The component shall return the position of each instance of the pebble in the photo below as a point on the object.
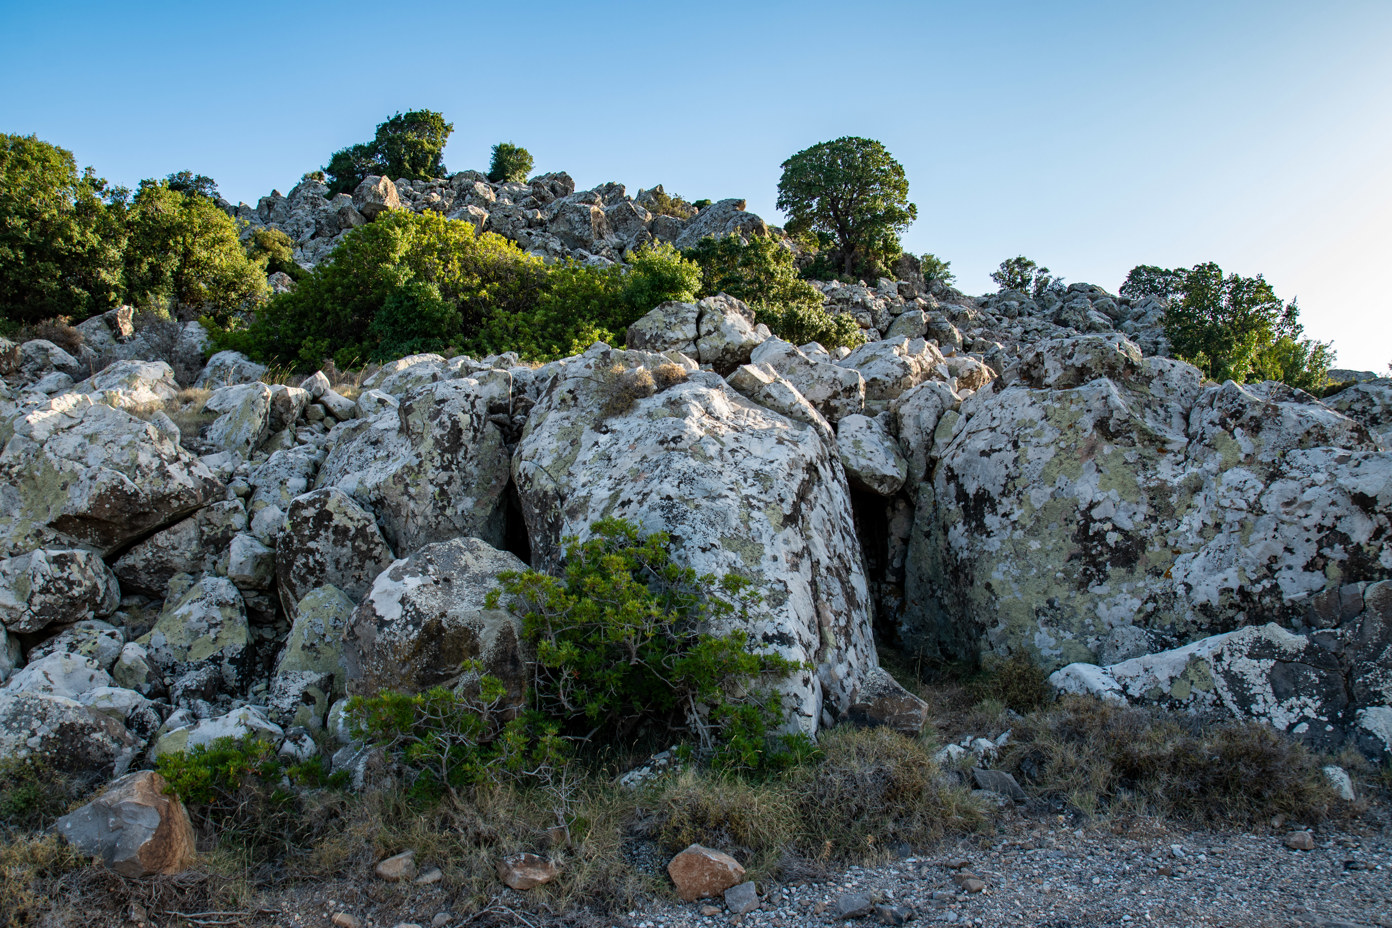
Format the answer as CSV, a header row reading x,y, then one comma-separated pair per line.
x,y
1300,841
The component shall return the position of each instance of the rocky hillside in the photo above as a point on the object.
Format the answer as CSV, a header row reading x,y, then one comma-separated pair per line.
x,y
191,550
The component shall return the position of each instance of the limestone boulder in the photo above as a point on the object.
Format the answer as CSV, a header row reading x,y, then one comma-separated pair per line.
x,y
426,615
740,488
328,539
315,642
1103,490
761,384
718,331
191,546
582,226
63,732
135,828
893,366
242,722
89,638
39,357
55,586
203,626
834,390
94,476
243,417
227,368
374,196
432,469
726,217
131,385
1370,404
65,675
871,456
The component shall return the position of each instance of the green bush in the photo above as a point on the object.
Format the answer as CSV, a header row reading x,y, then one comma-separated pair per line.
x,y
1233,327
449,740
408,145
761,272
660,203
432,281
621,643
1022,274
187,182
581,304
181,249
275,250
934,268
510,164
61,235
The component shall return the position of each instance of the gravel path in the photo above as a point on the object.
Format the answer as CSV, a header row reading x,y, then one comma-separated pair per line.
x,y
1044,873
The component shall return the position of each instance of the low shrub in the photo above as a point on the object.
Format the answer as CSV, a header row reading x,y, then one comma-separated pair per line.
x,y
1016,682
622,643
802,323
277,251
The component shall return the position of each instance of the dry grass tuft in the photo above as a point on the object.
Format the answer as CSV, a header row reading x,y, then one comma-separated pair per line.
x,y
56,330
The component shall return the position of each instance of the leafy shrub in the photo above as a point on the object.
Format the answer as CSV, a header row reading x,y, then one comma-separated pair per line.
x,y
1233,327
621,643
581,304
934,268
61,235
431,280
182,249
660,203
1022,274
32,794
407,145
800,323
275,250
700,204
448,740
189,183
510,164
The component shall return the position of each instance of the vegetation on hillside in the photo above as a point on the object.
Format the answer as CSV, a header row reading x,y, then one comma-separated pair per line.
x,y
510,164
407,145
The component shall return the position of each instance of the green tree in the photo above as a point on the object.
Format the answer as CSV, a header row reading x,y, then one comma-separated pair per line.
x,y
511,163
934,268
189,182
182,249
432,280
1233,327
60,235
274,249
1022,274
852,191
408,145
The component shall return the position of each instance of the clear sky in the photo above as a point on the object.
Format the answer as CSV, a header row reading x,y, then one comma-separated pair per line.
x,y
1089,136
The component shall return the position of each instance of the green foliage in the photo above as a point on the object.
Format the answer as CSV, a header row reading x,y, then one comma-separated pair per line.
x,y
432,280
182,249
408,145
275,250
581,304
450,740
1022,274
510,164
213,774
32,794
60,235
934,268
187,182
622,643
1233,327
852,190
700,204
660,203
761,272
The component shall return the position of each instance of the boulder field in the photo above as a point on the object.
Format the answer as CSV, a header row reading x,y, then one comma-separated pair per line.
x,y
188,551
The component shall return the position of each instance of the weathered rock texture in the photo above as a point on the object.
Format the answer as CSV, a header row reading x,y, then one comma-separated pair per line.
x,y
134,827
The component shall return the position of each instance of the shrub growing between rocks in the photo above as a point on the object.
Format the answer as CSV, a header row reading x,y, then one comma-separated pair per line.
x,y
510,164
407,145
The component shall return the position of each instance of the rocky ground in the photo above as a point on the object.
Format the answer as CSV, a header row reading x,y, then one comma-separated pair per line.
x,y
1046,871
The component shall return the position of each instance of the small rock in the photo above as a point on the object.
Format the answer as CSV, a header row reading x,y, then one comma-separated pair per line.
x,y
699,872
893,914
854,905
998,782
1300,841
525,871
344,920
710,911
441,919
1337,777
742,898
397,868
1165,870
433,875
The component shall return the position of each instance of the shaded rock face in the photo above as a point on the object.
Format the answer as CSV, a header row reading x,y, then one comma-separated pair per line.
x,y
49,586
134,827
67,734
1321,685
85,473
740,489
1066,505
425,616
432,469
328,539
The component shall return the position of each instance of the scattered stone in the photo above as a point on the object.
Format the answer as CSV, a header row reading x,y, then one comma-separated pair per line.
x,y
1300,841
135,827
854,905
700,872
742,898
526,871
397,868
893,914
344,920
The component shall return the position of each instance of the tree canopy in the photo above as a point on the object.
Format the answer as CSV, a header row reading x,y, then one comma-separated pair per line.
x,y
1233,327
408,145
511,163
60,237
1026,276
852,194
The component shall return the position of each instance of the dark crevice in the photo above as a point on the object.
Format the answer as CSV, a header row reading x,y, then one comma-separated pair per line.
x,y
872,517
515,538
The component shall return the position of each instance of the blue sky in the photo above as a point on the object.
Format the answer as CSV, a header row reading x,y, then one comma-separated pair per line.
x,y
1089,136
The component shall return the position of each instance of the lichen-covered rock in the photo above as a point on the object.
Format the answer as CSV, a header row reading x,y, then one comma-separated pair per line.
x,y
879,700
284,475
763,385
834,390
136,828
726,217
242,722
301,698
740,488
59,675
100,641
65,733
55,586
39,357
203,625
315,642
374,196
434,468
9,654
1369,403
870,456
327,538
131,385
85,473
227,368
1056,514
191,546
425,615
248,563
924,418
892,366
719,331
244,417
